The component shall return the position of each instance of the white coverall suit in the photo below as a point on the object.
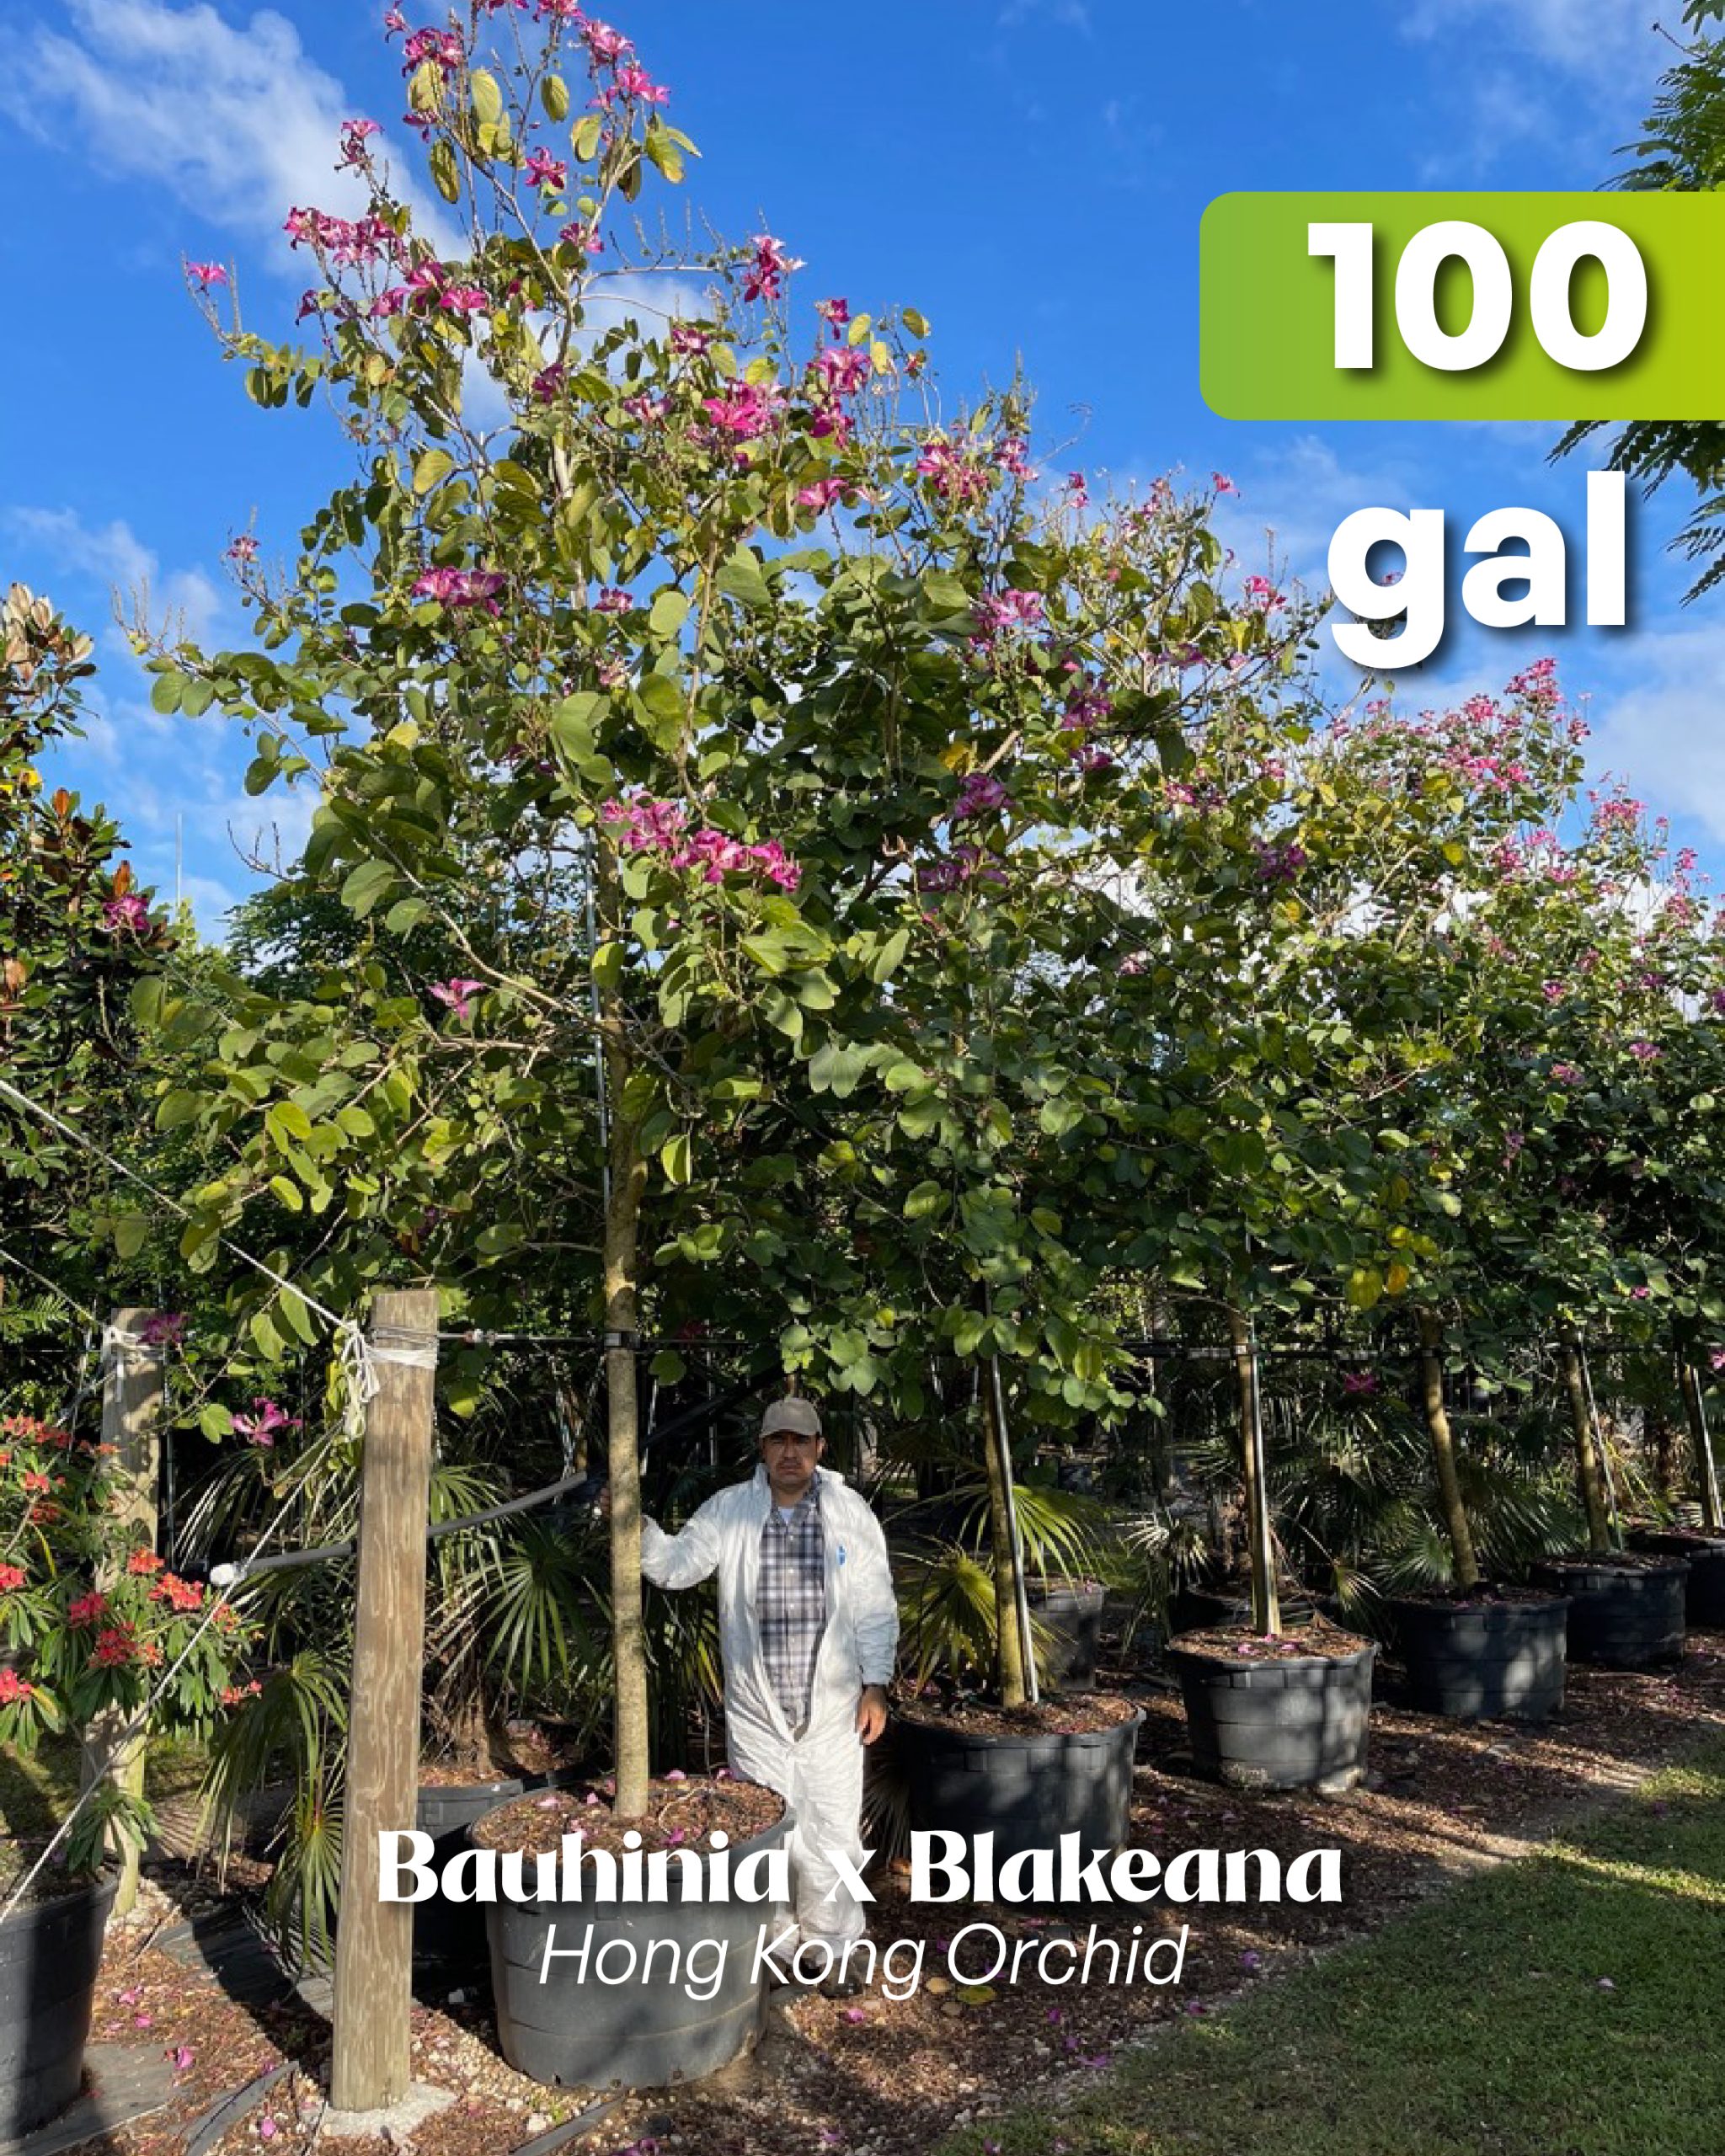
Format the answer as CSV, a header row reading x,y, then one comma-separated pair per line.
x,y
819,1774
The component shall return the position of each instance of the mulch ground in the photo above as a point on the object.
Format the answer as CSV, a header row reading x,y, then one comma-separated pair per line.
x,y
876,2078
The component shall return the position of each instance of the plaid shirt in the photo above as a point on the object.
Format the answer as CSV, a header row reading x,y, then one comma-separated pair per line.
x,y
793,1602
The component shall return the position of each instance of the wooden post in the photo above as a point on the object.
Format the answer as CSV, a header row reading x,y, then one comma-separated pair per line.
x,y
371,2062
132,1422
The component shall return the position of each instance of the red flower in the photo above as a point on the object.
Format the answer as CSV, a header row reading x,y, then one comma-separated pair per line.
x,y
180,1594
142,1562
88,1609
12,1687
115,1648
11,1575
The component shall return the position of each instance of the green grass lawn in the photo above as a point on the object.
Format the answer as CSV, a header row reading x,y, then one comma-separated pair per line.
x,y
1475,2024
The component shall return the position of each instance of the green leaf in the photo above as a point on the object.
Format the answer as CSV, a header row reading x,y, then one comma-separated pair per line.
x,y
488,96
365,886
131,1231
669,1367
166,695
554,96
433,464
214,1420
890,956
740,579
584,137
926,1199
667,614
179,1108
446,173
287,1193
663,153
406,914
674,1157
944,593
287,1123
294,1309
269,1344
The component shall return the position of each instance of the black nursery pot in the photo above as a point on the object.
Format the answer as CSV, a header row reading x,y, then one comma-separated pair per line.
x,y
1621,1616
1026,1790
1203,1608
1703,1602
49,1954
1071,1613
578,2032
1276,1721
1485,1659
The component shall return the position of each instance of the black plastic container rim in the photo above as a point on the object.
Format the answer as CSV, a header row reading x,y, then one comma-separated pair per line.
x,y
780,1828
34,1914
1535,1603
1615,1565
1214,1658
1052,1738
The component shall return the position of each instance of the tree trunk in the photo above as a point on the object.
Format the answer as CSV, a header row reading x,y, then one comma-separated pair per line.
x,y
1706,1475
1586,1452
1266,1607
623,1235
1437,1423
1009,1641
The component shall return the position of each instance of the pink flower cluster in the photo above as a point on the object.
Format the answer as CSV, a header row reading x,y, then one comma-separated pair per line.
x,y
130,915
355,134
953,470
770,267
748,411
968,864
442,48
1263,596
1005,611
346,240
1279,863
981,795
458,996
456,588
645,825
260,1426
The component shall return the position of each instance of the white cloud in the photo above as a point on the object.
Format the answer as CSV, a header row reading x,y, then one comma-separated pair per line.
x,y
1665,728
1596,38
113,556
239,124
1299,493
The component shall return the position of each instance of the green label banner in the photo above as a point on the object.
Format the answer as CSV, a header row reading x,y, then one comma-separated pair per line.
x,y
1464,306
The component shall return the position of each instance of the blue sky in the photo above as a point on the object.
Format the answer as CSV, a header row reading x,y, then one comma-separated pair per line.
x,y
1030,174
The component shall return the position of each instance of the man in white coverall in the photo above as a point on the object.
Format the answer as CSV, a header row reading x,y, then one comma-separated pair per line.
x,y
808,1628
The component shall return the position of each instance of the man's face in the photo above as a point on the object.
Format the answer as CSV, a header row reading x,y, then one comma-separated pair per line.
x,y
791,1461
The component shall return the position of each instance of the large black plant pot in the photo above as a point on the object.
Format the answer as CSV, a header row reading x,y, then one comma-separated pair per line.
x,y
49,1954
1276,1721
636,2035
1070,1613
1621,1616
1203,1608
1705,1598
1026,1791
449,1937
1484,1659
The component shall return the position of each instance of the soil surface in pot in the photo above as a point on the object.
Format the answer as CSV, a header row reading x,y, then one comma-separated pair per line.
x,y
1317,1638
1076,1716
50,1884
680,1814
1691,1538
1613,1560
1484,1596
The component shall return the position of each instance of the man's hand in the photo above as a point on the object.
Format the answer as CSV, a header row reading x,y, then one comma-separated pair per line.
x,y
871,1712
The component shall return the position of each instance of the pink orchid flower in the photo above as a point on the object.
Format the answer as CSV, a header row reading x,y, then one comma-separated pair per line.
x,y
457,994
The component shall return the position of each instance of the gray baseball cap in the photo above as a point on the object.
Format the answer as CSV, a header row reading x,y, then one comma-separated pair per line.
x,y
801,1415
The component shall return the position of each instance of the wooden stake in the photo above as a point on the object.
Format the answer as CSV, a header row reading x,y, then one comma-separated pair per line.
x,y
1437,1423
132,1422
370,2059
1266,1602
1706,1474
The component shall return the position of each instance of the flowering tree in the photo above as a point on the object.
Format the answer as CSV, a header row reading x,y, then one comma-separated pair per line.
x,y
78,932
93,1624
